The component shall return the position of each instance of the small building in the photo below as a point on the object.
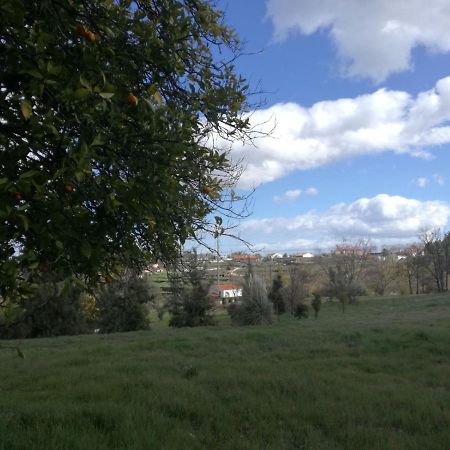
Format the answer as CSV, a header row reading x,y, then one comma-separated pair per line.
x,y
275,255
358,251
243,257
225,293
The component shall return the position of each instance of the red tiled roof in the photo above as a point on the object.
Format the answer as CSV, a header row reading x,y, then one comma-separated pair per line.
x,y
226,286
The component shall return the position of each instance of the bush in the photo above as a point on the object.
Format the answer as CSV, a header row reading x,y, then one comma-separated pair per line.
x,y
316,304
276,295
53,309
301,311
255,308
190,305
123,304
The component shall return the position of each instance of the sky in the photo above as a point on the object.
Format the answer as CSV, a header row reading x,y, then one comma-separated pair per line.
x,y
357,99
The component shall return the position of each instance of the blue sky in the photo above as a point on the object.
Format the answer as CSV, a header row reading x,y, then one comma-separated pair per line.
x,y
360,100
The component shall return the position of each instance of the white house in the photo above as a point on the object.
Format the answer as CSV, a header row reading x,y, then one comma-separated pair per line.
x,y
225,293
275,255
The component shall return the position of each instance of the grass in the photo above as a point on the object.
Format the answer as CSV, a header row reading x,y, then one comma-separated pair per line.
x,y
377,377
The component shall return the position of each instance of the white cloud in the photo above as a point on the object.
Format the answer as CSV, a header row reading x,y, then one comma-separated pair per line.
x,y
421,182
330,131
288,196
383,219
373,38
312,191
439,179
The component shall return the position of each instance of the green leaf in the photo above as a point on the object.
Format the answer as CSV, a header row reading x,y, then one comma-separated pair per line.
x,y
97,141
85,83
25,221
29,174
106,95
81,93
86,249
26,109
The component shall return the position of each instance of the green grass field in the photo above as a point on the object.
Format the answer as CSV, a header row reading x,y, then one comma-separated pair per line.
x,y
377,377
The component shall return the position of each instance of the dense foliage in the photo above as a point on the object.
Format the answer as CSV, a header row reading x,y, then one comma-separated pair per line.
x,y
105,111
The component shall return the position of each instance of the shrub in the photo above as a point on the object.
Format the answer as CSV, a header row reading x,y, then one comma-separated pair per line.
x,y
189,304
276,295
123,304
316,304
53,309
255,308
301,311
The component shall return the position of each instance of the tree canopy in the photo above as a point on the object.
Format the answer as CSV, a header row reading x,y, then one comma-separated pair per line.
x,y
105,110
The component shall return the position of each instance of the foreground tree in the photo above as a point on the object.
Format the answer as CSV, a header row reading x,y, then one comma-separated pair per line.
x,y
107,113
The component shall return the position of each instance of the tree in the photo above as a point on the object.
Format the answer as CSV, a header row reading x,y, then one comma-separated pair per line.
x,y
414,265
437,254
123,305
189,303
109,112
344,270
54,309
383,272
316,303
276,295
255,308
296,291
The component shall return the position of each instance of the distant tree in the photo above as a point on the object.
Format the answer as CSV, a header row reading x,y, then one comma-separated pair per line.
x,y
437,254
301,311
316,303
255,308
344,270
296,290
123,304
414,265
189,304
383,272
276,295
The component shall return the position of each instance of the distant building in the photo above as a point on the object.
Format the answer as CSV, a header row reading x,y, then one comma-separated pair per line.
x,y
153,268
349,251
243,257
275,255
225,293
303,255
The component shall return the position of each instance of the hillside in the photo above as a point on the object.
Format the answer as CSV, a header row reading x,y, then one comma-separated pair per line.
x,y
376,377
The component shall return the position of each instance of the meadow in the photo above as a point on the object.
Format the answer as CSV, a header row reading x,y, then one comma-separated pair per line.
x,y
376,377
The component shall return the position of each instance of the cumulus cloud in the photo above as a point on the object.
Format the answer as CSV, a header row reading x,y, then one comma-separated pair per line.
x,y
373,38
439,179
383,218
330,131
288,196
294,194
421,182
312,191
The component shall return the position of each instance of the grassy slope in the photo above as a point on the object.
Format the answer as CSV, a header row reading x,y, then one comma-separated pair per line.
x,y
377,377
